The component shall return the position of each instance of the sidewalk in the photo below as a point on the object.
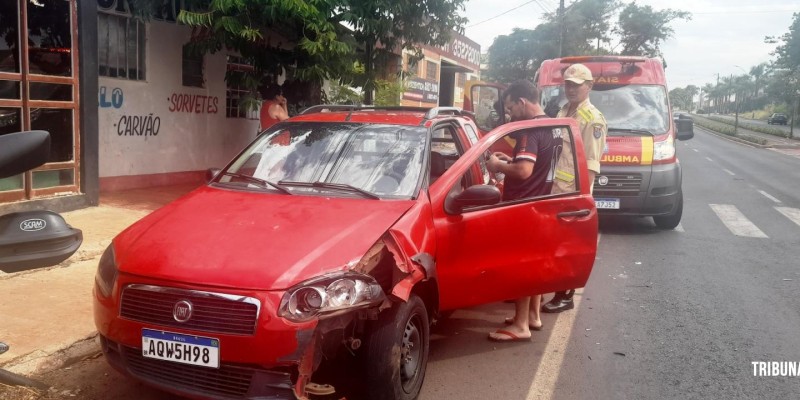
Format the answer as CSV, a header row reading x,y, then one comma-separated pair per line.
x,y
46,315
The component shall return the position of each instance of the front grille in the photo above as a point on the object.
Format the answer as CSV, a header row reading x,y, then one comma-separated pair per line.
x,y
619,185
215,313
227,380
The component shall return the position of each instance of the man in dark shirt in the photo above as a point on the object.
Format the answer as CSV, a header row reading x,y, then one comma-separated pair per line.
x,y
528,173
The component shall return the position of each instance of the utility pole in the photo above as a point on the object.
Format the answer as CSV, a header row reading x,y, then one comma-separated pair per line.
x,y
561,29
736,122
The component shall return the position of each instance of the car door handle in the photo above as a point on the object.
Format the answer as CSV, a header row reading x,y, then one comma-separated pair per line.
x,y
572,214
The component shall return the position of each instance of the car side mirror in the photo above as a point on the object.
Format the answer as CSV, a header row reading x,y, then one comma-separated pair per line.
x,y
685,127
23,151
212,173
473,196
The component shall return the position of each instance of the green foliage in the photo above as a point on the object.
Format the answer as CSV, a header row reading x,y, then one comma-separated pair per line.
x,y
642,29
588,28
264,33
716,127
750,127
788,51
343,94
387,93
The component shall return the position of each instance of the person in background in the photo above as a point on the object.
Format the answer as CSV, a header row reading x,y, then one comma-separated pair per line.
x,y
273,108
528,173
578,83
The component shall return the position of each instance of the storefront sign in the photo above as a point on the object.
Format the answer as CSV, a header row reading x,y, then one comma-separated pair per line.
x,y
113,99
193,103
138,125
462,49
418,89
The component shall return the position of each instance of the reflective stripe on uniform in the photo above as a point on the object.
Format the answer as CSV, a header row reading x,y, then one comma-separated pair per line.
x,y
647,151
585,115
564,176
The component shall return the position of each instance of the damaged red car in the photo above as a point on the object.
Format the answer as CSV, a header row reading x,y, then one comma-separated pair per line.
x,y
340,233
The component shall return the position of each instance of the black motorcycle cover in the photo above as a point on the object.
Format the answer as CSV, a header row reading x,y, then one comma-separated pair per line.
x,y
35,239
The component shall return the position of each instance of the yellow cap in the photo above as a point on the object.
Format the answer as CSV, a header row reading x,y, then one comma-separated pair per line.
x,y
578,73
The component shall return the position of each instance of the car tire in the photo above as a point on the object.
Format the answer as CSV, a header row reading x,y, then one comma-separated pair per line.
x,y
670,221
396,351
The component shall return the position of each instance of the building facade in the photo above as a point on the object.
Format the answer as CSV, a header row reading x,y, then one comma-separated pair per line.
x,y
438,79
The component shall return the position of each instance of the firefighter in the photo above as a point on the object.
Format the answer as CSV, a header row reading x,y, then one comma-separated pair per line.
x,y
578,83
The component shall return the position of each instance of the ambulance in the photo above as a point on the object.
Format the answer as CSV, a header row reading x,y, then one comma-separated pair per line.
x,y
640,174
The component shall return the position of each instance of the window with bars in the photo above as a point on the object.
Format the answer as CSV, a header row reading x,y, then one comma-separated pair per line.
x,y
120,47
236,92
431,71
192,67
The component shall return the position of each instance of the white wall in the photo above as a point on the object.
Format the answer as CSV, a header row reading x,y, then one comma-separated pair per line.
x,y
185,141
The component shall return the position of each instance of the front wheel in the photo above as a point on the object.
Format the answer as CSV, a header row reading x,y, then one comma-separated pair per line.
x,y
672,220
397,351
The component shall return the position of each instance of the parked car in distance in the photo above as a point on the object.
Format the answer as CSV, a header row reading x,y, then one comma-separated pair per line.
x,y
777,118
341,232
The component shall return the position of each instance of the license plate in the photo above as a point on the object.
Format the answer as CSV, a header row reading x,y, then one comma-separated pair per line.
x,y
179,348
608,204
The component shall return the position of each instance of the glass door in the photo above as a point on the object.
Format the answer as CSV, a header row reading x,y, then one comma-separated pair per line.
x,y
38,91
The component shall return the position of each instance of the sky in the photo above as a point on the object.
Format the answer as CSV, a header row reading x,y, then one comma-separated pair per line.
x,y
723,37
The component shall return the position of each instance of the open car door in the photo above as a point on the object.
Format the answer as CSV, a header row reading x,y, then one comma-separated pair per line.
x,y
484,100
491,250
31,239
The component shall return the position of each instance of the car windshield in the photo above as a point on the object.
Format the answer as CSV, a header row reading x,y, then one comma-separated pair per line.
x,y
629,107
345,159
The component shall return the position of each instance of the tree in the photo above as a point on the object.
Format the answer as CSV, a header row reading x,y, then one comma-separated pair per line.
x,y
642,29
788,51
381,27
327,33
518,55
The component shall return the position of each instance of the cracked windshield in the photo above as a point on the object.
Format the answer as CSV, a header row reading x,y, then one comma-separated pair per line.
x,y
399,200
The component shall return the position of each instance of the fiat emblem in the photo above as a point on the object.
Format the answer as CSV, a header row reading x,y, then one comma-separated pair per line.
x,y
182,311
603,180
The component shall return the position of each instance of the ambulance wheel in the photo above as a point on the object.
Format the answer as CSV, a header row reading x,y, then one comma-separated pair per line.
x,y
671,221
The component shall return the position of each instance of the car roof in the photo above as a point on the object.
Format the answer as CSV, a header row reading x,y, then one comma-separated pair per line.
x,y
411,116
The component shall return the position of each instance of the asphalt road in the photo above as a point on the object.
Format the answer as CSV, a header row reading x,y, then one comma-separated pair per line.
x,y
665,315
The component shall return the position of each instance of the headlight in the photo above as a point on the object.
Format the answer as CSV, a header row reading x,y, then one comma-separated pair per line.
x,y
664,150
106,271
330,293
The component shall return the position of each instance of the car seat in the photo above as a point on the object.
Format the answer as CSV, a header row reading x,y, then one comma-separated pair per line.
x,y
437,166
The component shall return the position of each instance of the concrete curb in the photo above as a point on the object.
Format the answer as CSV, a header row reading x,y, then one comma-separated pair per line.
x,y
37,363
735,139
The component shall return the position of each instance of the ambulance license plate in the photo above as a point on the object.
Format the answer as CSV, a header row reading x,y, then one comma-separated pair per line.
x,y
179,348
607,204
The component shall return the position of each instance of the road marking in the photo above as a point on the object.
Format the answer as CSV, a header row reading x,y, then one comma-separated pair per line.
x,y
544,383
791,213
679,228
696,151
729,172
738,224
769,196
709,159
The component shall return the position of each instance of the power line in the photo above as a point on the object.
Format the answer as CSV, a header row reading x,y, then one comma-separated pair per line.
x,y
501,14
541,5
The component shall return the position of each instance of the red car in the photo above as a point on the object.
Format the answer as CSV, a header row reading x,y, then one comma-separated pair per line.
x,y
336,230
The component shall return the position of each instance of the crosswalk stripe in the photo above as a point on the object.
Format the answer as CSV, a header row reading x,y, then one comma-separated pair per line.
x,y
738,224
769,196
791,213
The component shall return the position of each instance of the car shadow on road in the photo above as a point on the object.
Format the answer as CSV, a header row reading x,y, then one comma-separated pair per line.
x,y
617,225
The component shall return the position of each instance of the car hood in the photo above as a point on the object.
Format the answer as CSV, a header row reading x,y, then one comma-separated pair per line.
x,y
263,241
